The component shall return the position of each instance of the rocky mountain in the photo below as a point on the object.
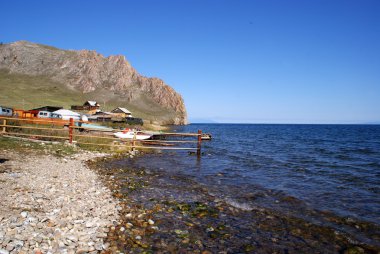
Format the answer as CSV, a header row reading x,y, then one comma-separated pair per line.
x,y
107,79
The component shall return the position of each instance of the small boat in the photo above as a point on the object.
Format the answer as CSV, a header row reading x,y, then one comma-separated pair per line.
x,y
206,136
93,127
130,134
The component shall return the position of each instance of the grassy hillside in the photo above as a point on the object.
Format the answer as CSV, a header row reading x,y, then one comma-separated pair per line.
x,y
26,92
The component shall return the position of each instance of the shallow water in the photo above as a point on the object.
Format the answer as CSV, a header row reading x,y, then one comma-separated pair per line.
x,y
334,168
324,175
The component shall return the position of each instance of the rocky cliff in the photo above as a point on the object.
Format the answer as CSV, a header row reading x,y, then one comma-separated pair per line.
x,y
105,78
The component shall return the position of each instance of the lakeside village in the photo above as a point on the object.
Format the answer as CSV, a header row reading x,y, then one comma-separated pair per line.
x,y
89,111
89,115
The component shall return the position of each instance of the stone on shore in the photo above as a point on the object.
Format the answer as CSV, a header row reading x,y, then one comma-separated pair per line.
x,y
53,205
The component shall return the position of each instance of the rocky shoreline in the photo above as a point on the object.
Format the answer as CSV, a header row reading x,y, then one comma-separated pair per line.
x,y
166,213
90,203
53,204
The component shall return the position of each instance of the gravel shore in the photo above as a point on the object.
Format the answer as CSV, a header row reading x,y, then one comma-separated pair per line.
x,y
53,205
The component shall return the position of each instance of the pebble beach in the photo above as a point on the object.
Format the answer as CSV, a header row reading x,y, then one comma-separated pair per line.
x,y
53,204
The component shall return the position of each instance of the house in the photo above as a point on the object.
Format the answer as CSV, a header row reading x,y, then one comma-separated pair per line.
x,y
101,116
26,113
121,112
90,106
22,113
34,112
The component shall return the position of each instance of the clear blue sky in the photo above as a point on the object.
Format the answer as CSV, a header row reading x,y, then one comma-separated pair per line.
x,y
233,61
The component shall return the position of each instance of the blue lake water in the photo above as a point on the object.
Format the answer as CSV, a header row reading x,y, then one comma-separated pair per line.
x,y
330,167
316,172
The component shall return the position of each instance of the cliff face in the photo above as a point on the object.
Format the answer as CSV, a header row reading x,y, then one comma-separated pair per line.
x,y
88,72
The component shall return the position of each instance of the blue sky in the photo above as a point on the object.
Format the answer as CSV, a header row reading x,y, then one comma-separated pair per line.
x,y
233,61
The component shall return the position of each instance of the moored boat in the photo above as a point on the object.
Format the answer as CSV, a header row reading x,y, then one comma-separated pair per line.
x,y
131,134
206,136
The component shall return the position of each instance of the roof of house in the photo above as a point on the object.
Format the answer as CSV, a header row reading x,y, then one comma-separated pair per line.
x,y
91,103
48,108
124,110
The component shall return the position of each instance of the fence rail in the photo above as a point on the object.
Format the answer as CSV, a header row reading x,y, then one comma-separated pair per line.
x,y
38,120
45,128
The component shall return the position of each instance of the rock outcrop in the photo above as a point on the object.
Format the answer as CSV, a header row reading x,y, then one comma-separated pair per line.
x,y
87,71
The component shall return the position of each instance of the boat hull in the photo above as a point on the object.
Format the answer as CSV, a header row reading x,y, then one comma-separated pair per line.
x,y
131,135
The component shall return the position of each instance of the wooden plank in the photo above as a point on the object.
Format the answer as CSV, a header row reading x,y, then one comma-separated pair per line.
x,y
177,134
96,144
142,147
130,140
166,148
36,119
90,129
91,136
169,141
34,128
34,135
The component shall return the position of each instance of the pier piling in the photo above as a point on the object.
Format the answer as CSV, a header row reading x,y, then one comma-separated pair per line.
x,y
199,143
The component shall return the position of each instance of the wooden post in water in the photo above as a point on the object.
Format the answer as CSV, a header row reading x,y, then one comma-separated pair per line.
x,y
199,143
71,125
4,128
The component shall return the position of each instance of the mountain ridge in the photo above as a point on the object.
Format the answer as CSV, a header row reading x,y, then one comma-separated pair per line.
x,y
88,72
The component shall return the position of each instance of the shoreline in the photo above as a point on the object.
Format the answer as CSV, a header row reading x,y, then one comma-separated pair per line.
x,y
186,218
53,205
90,203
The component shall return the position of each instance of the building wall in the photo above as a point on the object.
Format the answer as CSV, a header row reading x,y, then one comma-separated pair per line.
x,y
121,114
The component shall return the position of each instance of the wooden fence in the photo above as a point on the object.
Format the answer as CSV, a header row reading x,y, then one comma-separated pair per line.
x,y
58,129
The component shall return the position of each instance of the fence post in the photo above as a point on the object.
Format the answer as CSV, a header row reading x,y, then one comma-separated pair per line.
x,y
4,128
71,125
199,143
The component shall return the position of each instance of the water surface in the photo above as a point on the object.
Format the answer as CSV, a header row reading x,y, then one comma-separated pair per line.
x,y
326,175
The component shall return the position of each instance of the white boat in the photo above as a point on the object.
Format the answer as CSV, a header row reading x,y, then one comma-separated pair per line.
x,y
206,136
129,134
